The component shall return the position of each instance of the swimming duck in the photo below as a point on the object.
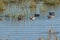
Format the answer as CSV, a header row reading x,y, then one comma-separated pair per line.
x,y
37,15
49,17
0,19
20,17
32,18
51,13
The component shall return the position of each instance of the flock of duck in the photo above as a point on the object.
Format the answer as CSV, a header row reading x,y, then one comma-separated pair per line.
x,y
33,5
22,17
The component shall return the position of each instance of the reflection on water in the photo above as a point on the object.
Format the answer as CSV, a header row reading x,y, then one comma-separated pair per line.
x,y
27,29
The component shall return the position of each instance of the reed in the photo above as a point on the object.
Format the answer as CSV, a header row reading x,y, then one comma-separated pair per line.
x,y
5,2
52,2
2,7
12,1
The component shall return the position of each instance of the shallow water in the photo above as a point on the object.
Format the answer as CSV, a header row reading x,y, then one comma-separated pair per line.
x,y
27,29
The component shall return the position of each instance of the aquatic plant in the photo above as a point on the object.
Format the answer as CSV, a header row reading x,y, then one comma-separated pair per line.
x,y
2,7
5,2
12,1
51,2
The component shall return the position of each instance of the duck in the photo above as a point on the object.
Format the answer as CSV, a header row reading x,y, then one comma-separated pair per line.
x,y
20,17
32,18
0,19
49,17
51,13
37,15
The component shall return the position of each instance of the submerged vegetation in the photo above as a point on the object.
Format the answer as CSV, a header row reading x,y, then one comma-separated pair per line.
x,y
52,34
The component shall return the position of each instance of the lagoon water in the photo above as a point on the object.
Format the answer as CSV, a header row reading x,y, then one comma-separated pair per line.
x,y
27,29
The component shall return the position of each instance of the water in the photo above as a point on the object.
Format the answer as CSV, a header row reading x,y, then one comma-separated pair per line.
x,y
27,30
